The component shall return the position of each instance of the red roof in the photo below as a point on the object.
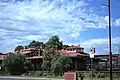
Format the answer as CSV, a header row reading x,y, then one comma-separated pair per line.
x,y
74,47
71,53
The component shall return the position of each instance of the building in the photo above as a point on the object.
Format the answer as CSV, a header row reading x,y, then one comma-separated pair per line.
x,y
34,56
102,62
2,56
81,60
78,56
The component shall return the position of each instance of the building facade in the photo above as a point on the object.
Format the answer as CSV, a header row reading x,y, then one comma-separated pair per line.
x,y
81,60
78,56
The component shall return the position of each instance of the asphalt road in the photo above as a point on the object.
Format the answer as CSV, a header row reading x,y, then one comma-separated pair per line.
x,y
17,79
25,78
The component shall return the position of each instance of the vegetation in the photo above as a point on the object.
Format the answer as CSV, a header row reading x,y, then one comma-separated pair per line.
x,y
54,42
36,44
32,44
18,48
14,64
49,56
28,65
64,47
61,64
56,64
49,52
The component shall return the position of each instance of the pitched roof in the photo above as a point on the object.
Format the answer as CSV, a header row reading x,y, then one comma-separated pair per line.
x,y
73,54
73,47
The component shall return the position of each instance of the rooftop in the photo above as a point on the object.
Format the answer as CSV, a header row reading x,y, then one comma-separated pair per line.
x,y
74,47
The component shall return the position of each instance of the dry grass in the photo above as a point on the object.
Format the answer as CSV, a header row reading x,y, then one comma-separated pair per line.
x,y
101,78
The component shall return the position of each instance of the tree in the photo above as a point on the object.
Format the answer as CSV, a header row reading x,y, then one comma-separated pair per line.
x,y
48,54
54,42
49,51
26,47
18,48
14,63
28,65
61,64
64,46
36,44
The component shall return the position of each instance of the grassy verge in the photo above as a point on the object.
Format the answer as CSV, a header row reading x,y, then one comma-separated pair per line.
x,y
33,74
107,78
41,74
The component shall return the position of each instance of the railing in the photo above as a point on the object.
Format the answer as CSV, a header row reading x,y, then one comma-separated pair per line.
x,y
98,75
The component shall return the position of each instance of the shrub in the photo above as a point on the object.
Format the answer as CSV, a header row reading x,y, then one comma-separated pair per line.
x,y
4,73
101,75
61,64
14,64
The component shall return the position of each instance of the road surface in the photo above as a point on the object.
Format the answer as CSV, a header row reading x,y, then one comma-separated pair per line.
x,y
25,78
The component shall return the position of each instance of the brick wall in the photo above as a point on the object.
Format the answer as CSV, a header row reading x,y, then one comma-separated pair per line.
x,y
69,76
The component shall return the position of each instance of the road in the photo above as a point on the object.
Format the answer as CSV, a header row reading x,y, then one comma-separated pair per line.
x,y
25,78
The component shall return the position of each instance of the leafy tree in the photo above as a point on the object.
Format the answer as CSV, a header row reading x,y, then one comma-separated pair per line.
x,y
54,42
18,48
47,57
64,46
28,65
49,51
36,44
26,47
14,63
61,64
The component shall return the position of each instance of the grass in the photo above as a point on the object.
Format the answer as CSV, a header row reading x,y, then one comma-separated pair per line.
x,y
40,74
107,78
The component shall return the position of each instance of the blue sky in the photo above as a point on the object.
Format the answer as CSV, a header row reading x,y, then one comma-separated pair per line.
x,y
83,22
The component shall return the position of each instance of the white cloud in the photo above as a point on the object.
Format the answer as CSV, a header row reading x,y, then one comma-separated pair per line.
x,y
38,19
101,44
117,22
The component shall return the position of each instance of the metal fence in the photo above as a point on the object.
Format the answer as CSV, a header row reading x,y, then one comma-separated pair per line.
x,y
97,75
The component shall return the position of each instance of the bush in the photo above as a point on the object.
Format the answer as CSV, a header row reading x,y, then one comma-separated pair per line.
x,y
54,75
4,73
81,74
89,74
14,64
101,75
35,73
61,64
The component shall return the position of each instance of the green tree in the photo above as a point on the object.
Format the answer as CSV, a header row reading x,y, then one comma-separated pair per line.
x,y
49,51
14,63
26,47
54,42
18,48
61,64
28,65
36,44
64,46
48,54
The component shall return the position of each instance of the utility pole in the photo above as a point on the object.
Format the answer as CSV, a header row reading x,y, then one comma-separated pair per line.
x,y
110,51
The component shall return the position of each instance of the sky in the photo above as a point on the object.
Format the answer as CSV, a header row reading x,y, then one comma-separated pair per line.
x,y
83,22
